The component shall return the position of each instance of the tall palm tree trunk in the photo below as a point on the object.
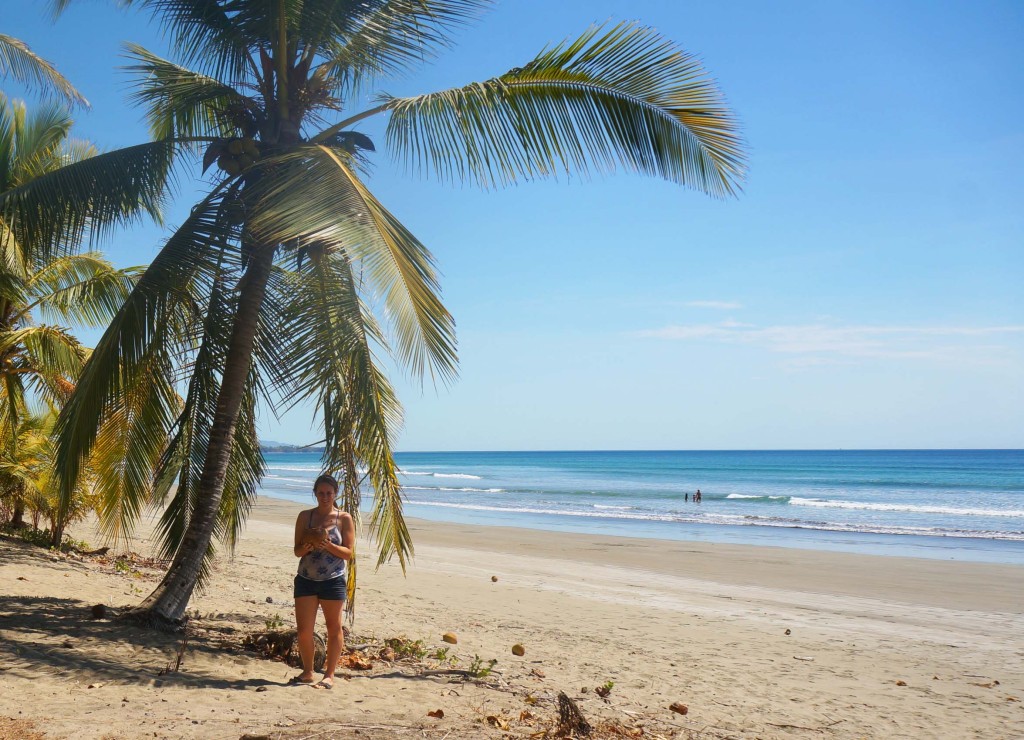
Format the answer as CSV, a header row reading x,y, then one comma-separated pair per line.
x,y
166,605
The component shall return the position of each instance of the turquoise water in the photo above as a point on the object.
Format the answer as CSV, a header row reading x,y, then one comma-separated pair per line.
x,y
955,504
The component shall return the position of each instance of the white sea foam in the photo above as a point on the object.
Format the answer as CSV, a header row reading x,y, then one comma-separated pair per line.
x,y
737,520
285,477
439,475
744,495
615,508
912,508
312,468
442,488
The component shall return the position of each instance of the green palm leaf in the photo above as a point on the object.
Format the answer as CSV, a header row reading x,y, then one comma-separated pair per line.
x,y
55,211
83,289
315,195
47,347
149,333
365,41
329,350
618,98
178,101
18,60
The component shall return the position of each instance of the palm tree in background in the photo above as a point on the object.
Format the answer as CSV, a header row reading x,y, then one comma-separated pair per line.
x,y
24,65
290,277
39,362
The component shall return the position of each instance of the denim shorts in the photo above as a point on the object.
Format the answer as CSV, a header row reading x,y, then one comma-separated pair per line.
x,y
333,590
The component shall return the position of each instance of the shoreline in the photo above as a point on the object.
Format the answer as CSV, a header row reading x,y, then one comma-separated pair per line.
x,y
986,586
762,642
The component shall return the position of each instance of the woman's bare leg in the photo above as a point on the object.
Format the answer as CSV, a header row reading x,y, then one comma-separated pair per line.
x,y
335,638
305,622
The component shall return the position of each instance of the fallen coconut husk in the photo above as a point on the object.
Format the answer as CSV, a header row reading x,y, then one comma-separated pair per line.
x,y
284,645
570,718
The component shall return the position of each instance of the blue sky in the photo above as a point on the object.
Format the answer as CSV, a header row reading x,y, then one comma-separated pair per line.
x,y
864,291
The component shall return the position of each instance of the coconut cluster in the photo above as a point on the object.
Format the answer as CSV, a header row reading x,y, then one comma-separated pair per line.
x,y
238,155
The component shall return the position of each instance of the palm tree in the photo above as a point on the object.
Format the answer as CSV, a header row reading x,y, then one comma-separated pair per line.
x,y
39,362
274,286
18,60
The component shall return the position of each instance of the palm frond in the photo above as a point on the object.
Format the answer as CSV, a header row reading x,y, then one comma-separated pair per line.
x,y
148,331
48,349
212,33
330,338
365,41
53,213
129,444
83,289
18,60
178,101
625,97
315,196
38,141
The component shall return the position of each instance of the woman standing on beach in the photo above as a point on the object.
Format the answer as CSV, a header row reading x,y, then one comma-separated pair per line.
x,y
323,540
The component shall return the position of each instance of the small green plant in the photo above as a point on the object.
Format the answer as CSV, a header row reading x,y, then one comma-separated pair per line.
x,y
42,537
406,648
124,566
441,656
477,668
274,623
604,689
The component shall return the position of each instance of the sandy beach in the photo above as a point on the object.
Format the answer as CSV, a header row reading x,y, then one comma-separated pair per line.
x,y
756,642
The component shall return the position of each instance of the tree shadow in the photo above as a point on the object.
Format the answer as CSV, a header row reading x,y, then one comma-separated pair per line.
x,y
59,636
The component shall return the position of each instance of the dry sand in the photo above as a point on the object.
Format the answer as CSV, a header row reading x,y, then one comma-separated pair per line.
x,y
756,642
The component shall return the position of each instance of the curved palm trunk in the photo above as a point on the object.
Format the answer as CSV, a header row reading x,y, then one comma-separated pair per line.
x,y
166,605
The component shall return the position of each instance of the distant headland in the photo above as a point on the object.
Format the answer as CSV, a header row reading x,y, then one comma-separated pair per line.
x,y
279,447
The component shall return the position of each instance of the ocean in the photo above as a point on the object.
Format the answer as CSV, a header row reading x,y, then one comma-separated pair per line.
x,y
949,504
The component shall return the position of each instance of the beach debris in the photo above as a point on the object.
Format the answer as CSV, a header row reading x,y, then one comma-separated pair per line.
x,y
94,686
404,648
494,579
679,708
270,599
802,657
284,645
538,673
788,631
67,644
570,719
22,578
518,649
988,685
99,611
357,661
1012,698
495,720
604,689
584,689
901,683
437,713
387,653
530,699
450,638
97,551
261,688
